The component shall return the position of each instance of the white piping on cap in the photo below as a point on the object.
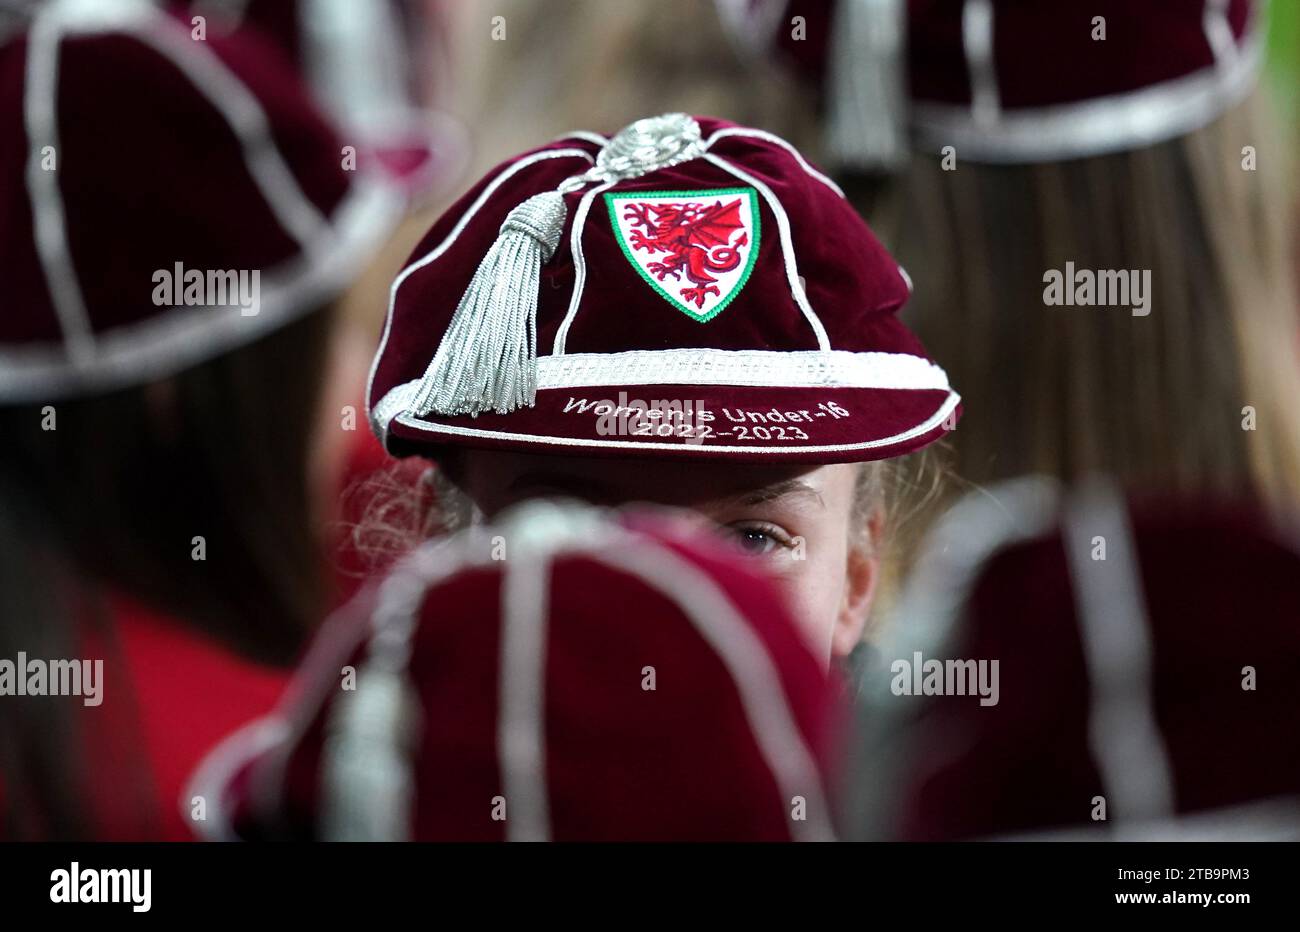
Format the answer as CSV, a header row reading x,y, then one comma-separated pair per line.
x,y
357,62
745,132
91,366
520,729
367,765
1117,122
521,723
1122,730
367,771
273,735
933,607
40,110
211,781
1218,33
579,263
787,246
380,426
385,619
977,41
394,624
907,279
866,84
165,344
294,211
758,684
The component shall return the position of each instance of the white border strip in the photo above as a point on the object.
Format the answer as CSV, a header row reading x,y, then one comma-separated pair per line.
x,y
1092,127
703,449
982,523
710,367
751,368
212,780
977,41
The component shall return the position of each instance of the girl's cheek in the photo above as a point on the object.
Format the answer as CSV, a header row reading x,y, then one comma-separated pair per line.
x,y
814,603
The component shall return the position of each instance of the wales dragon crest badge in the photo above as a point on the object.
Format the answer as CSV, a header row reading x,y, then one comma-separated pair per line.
x,y
695,248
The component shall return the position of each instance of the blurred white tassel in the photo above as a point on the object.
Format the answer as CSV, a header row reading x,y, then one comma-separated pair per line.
x,y
368,760
866,118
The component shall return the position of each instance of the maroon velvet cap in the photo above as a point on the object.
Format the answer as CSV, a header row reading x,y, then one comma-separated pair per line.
x,y
1014,80
1148,655
368,68
690,288
172,199
563,675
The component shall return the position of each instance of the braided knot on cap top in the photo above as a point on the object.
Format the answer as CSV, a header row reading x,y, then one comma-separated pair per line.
x,y
649,145
540,217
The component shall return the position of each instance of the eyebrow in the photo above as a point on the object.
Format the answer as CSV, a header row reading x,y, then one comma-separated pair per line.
x,y
777,490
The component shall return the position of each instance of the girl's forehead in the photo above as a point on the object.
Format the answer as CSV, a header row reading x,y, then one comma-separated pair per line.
x,y
613,481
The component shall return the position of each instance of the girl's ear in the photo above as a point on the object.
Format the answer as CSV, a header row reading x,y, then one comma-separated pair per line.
x,y
861,574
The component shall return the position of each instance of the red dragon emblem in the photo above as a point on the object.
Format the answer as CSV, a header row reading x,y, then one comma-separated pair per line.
x,y
700,245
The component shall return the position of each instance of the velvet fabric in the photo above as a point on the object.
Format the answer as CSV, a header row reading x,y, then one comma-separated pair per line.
x,y
1220,589
1044,53
678,762
151,174
853,285
409,148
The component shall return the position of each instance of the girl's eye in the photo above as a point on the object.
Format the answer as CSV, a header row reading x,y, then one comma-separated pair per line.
x,y
756,540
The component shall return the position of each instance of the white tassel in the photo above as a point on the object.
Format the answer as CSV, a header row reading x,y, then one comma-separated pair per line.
x,y
866,94
487,360
368,760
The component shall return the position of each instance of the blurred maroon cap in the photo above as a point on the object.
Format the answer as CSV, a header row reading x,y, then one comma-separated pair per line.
x,y
174,198
685,261
1148,657
371,67
561,676
1009,80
